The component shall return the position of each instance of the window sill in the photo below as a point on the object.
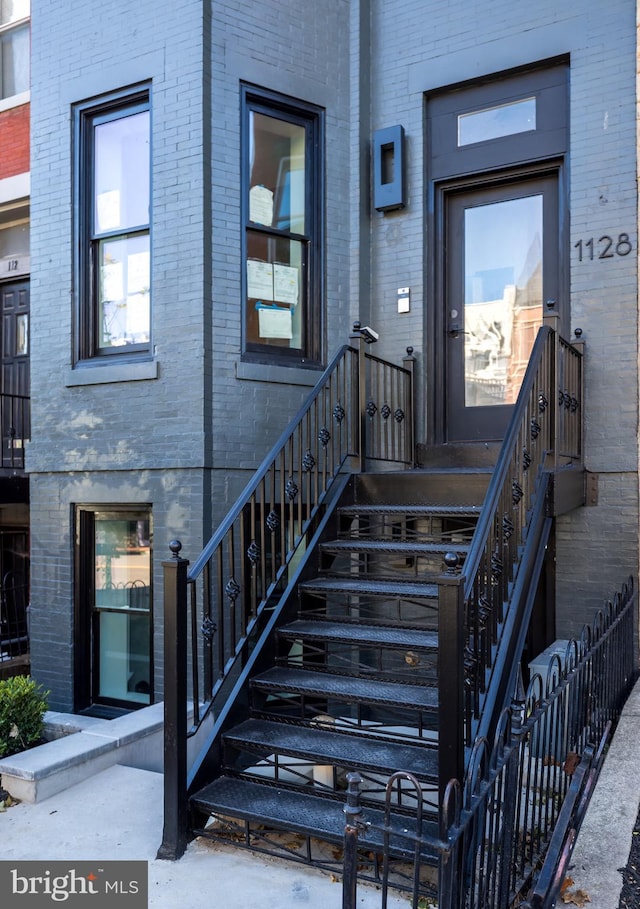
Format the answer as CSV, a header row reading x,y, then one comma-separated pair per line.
x,y
105,373
15,101
285,375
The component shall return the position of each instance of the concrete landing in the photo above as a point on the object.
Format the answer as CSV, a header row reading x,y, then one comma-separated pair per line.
x,y
117,814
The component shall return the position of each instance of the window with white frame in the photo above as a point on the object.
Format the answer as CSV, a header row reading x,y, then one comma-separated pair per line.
x,y
14,47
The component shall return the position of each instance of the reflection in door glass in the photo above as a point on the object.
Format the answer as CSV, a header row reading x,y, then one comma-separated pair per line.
x,y
503,297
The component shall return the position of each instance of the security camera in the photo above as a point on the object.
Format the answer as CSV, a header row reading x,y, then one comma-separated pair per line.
x,y
369,334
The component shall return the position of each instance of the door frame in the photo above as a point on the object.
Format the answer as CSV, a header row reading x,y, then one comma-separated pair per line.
x,y
435,279
451,166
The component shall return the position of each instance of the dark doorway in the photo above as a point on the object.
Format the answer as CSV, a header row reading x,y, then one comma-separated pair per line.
x,y
14,371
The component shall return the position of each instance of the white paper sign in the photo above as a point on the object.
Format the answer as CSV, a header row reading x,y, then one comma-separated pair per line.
x,y
259,279
261,205
285,284
274,323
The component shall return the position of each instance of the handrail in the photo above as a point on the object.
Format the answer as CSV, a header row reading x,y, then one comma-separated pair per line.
x,y
544,435
276,450
541,432
244,571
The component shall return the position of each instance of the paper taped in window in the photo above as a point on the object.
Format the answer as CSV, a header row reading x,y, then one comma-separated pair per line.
x,y
274,322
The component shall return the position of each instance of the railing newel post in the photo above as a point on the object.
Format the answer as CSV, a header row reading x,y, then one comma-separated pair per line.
x,y
409,363
451,677
361,396
175,832
353,824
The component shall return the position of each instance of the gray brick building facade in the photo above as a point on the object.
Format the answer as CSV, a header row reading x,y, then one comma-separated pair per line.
x,y
175,430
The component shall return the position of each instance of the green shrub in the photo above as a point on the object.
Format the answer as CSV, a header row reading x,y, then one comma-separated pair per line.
x,y
22,707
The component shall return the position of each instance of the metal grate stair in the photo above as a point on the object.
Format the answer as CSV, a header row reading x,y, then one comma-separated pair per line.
x,y
238,802
353,681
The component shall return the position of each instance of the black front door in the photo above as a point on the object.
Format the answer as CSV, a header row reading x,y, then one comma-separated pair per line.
x,y
501,265
14,369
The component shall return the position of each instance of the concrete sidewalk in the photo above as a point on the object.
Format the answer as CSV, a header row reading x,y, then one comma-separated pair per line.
x,y
604,842
117,814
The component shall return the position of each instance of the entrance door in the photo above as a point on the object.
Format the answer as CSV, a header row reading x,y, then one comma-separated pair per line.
x,y
501,266
14,369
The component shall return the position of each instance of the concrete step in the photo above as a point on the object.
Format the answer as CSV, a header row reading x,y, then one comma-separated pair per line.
x,y
81,747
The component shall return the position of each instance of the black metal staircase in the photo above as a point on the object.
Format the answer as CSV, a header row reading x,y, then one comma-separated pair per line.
x,y
345,619
354,685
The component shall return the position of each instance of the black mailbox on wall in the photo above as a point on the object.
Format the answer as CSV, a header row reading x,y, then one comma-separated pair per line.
x,y
388,168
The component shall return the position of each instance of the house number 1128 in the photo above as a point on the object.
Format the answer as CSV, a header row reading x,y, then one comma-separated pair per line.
x,y
605,248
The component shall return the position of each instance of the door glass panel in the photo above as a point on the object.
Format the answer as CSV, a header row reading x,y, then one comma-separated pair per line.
x,y
122,590
502,297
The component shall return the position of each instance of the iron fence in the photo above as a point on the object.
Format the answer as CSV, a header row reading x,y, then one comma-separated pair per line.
x,y
509,827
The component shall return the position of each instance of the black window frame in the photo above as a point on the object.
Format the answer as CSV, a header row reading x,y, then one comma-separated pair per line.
x,y
311,117
86,115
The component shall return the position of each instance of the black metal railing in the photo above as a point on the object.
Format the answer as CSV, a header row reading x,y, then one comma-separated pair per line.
x,y
15,425
510,825
359,411
483,612
14,624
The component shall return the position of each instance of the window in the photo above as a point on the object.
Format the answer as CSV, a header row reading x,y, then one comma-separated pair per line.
x,y
14,47
497,122
282,205
113,227
114,606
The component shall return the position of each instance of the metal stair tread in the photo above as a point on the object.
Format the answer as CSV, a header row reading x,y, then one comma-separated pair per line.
x,y
370,691
399,547
347,750
370,587
454,511
392,636
301,812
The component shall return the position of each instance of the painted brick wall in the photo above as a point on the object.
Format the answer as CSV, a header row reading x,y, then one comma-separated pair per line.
x,y
131,442
207,416
157,440
301,51
422,46
14,136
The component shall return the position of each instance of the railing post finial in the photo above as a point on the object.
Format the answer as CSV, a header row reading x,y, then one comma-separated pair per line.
x,y
452,561
175,546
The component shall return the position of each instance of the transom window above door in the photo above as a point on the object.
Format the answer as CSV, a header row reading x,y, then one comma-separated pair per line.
x,y
509,120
